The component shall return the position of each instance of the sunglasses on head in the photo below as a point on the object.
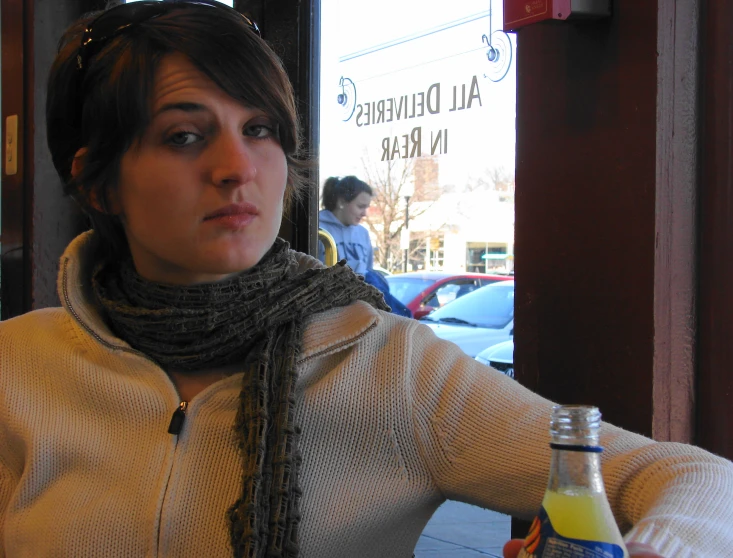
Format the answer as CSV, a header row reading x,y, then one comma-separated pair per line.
x,y
116,20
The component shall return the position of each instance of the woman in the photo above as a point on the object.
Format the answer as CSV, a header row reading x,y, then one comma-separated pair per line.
x,y
205,391
345,202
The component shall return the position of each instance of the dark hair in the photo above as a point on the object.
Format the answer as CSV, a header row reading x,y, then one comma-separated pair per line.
x,y
346,188
117,89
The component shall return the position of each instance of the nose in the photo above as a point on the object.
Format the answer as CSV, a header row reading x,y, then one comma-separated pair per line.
x,y
231,160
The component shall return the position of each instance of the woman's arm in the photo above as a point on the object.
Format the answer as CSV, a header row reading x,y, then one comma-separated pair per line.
x,y
485,440
8,482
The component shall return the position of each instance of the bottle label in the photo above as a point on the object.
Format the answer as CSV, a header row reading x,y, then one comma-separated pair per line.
x,y
544,542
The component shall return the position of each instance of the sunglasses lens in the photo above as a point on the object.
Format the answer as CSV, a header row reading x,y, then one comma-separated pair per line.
x,y
116,19
112,22
127,14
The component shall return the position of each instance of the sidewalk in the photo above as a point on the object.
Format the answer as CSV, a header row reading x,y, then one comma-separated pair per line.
x,y
460,530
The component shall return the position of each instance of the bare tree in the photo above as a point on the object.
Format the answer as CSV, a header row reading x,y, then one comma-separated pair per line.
x,y
391,181
496,179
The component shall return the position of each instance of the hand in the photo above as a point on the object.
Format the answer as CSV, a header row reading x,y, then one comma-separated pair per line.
x,y
636,550
511,548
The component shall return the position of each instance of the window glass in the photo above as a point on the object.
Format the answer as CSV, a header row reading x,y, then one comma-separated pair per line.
x,y
491,306
405,289
486,257
451,291
418,101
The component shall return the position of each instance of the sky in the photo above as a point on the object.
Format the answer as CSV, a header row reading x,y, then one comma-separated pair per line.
x,y
394,51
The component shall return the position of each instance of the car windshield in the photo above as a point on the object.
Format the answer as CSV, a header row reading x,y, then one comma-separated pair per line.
x,y
491,306
405,289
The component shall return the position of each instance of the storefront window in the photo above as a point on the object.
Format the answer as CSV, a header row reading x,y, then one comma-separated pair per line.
x,y
488,257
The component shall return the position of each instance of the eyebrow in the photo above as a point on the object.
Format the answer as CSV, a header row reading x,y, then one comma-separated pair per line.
x,y
184,106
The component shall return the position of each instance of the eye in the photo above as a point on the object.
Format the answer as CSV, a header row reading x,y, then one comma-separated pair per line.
x,y
182,138
261,129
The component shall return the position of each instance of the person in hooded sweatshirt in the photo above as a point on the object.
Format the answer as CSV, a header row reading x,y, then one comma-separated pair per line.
x,y
345,202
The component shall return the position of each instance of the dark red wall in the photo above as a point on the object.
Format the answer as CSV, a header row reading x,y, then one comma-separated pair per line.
x,y
585,203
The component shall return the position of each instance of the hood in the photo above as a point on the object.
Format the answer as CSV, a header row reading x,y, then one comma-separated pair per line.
x,y
471,340
325,216
501,352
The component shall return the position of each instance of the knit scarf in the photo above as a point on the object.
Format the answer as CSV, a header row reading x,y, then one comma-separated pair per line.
x,y
256,318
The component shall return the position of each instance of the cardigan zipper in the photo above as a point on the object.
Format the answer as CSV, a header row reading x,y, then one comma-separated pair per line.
x,y
179,416
175,427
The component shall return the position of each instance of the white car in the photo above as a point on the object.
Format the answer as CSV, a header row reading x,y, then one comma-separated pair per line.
x,y
381,270
477,320
500,357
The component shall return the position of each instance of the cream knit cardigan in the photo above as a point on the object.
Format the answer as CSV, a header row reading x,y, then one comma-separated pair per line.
x,y
394,422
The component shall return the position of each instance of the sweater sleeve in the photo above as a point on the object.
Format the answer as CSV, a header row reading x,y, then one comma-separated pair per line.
x,y
8,482
484,438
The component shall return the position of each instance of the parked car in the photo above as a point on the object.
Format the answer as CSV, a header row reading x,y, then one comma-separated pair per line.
x,y
499,356
424,291
477,320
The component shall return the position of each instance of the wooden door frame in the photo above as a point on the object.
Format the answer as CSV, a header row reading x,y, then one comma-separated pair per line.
x,y
292,28
15,258
714,429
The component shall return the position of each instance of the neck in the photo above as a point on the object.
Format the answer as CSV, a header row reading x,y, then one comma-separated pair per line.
x,y
339,214
190,383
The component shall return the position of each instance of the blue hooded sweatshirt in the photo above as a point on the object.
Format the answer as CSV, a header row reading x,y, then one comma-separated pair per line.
x,y
352,242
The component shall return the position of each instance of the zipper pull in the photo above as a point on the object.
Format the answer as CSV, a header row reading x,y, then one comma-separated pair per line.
x,y
179,415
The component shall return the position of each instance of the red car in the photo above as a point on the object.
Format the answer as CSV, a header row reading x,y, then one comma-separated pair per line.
x,y
424,291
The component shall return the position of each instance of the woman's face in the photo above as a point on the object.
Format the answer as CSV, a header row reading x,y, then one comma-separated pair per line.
x,y
201,195
351,213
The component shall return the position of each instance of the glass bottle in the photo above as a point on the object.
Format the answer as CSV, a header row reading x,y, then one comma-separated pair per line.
x,y
575,520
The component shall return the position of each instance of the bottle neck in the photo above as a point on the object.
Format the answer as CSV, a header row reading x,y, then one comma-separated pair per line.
x,y
575,470
576,463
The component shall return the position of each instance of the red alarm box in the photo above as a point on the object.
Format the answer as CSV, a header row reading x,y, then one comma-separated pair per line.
x,y
518,13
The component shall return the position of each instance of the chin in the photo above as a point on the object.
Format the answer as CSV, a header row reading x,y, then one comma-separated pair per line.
x,y
237,254
236,263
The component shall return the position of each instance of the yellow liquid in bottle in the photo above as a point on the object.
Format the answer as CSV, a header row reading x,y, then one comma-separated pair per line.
x,y
582,515
578,515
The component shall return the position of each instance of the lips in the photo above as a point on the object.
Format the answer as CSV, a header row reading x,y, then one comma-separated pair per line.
x,y
233,210
234,216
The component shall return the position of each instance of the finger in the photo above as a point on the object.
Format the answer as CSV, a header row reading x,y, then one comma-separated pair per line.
x,y
512,548
641,550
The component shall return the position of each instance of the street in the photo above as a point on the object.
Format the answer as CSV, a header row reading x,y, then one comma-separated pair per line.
x,y
459,530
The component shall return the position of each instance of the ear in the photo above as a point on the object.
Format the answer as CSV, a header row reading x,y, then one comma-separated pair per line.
x,y
78,162
76,167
